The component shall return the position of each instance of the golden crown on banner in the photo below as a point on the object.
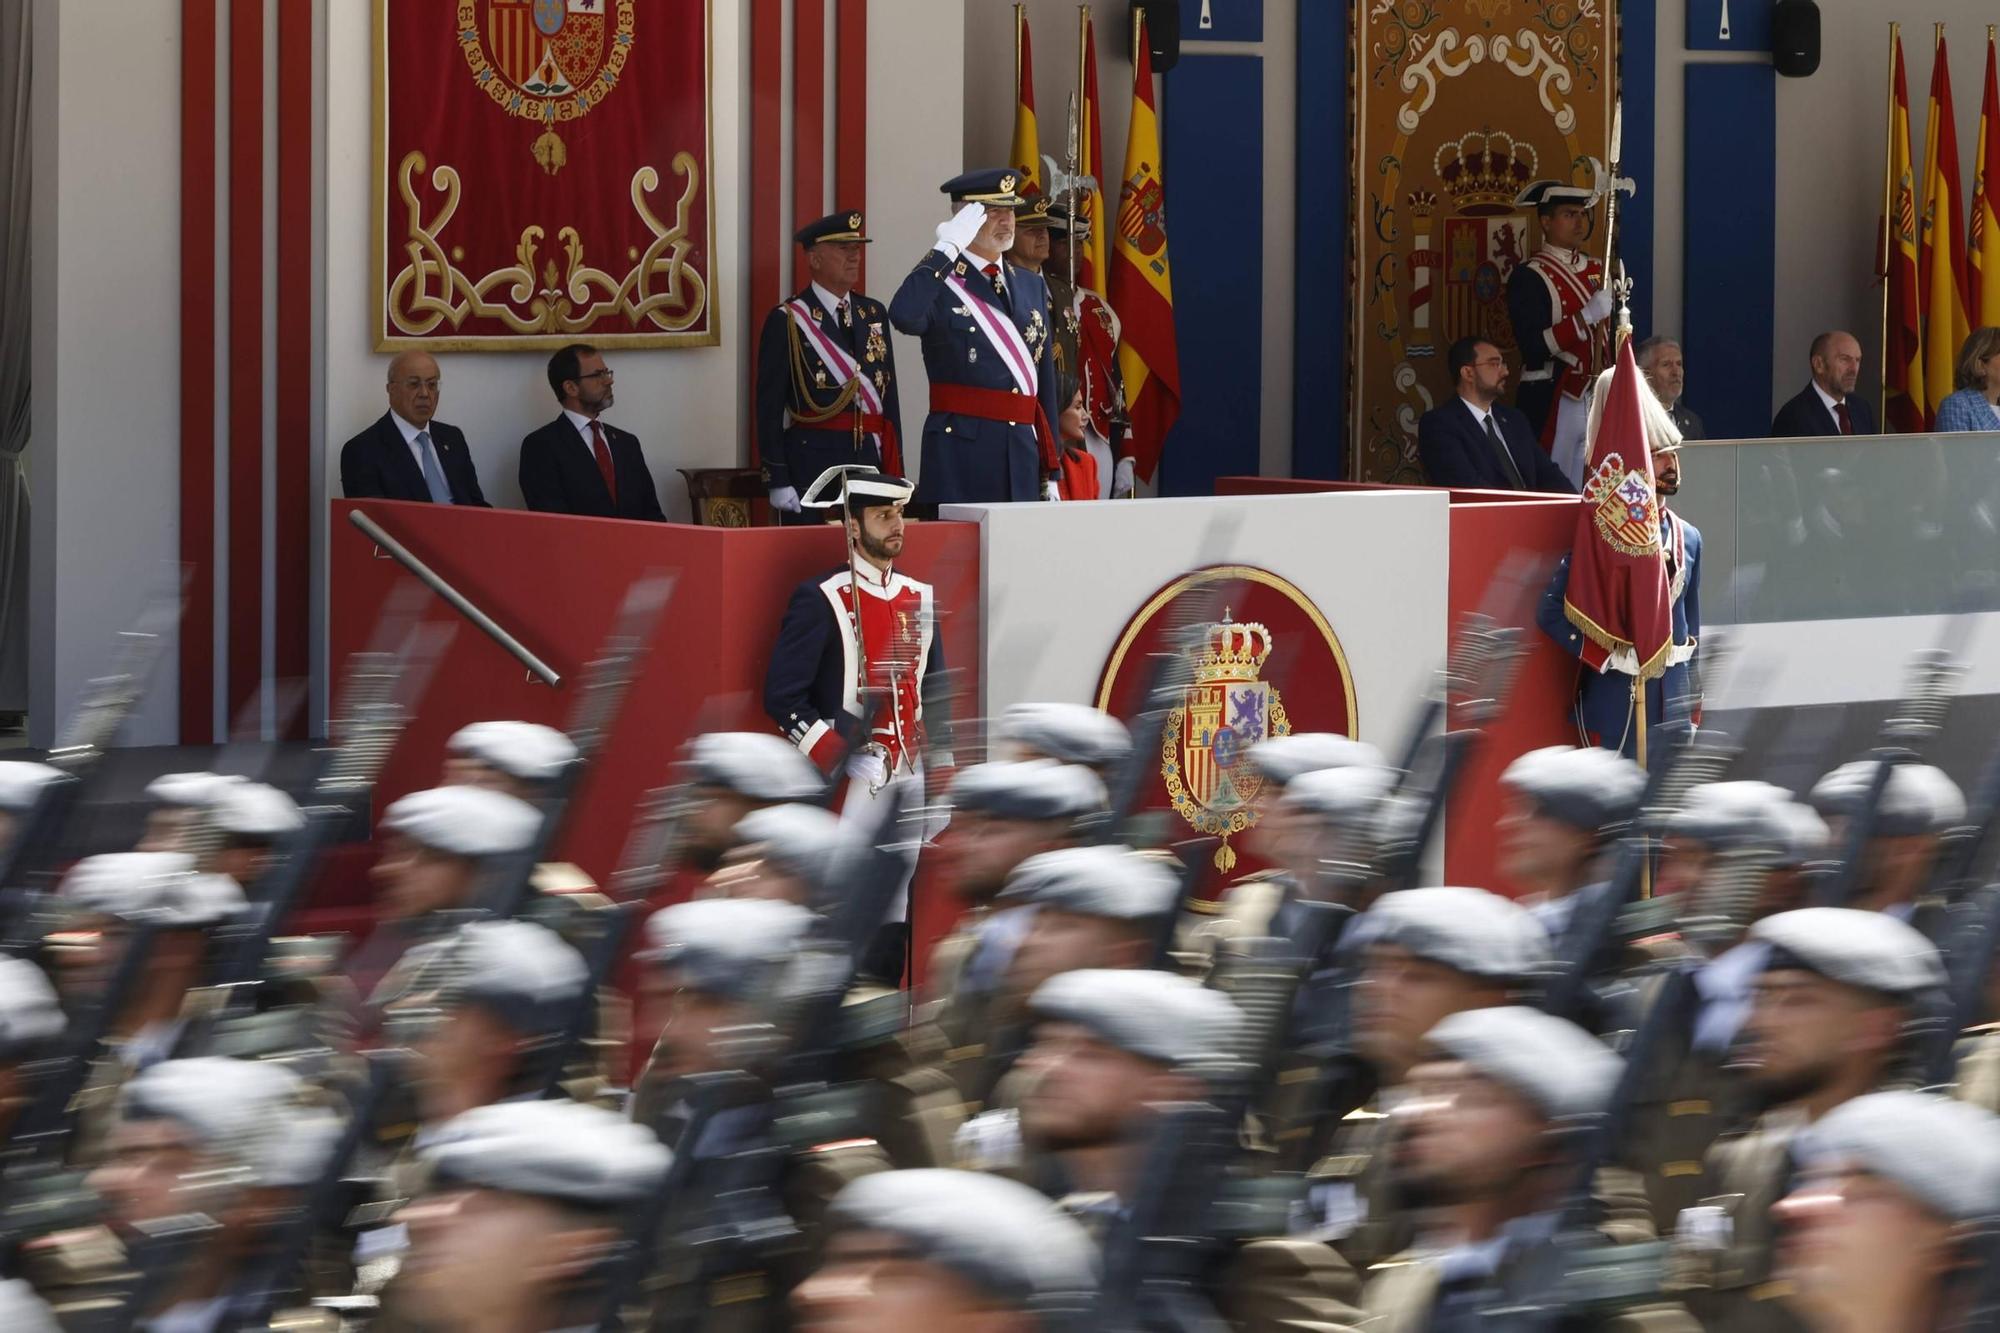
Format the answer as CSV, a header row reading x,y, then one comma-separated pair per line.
x,y
1484,170
1231,650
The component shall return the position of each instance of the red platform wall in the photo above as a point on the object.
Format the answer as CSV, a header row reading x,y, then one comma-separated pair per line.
x,y
1488,530
556,583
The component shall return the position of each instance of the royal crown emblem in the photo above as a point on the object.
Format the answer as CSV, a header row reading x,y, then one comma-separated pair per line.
x,y
854,222
547,61
1485,170
1006,185
1225,711
1624,507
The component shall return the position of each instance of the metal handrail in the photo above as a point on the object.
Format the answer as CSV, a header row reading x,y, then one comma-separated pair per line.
x,y
459,602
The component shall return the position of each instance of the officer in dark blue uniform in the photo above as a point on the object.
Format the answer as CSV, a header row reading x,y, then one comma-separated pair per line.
x,y
989,352
826,373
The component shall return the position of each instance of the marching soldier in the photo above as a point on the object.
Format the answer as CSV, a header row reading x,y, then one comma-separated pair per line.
x,y
1885,1227
518,759
181,802
826,373
21,786
1087,335
1559,308
250,820
915,1250
988,351
1918,806
1833,1010
1109,1049
1065,732
731,774
1489,1137
1565,807
520,1227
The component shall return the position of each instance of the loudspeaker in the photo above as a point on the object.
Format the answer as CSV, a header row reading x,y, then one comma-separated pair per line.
x,y
1795,37
1163,31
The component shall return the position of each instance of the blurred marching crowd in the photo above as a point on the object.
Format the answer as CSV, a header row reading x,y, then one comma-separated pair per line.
x,y
1726,1065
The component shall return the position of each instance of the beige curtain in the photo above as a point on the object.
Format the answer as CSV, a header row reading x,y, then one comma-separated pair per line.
x,y
15,310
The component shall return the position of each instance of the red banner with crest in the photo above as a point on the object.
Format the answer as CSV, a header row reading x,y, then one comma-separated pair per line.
x,y
542,174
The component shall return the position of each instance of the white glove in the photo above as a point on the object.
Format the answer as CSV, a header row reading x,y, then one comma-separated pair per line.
x,y
786,498
960,230
1121,480
1051,491
867,768
1597,309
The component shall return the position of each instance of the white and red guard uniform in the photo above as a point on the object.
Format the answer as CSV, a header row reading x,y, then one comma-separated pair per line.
x,y
1560,351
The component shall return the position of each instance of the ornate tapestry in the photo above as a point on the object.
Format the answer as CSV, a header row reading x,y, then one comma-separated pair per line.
x,y
1456,105
542,174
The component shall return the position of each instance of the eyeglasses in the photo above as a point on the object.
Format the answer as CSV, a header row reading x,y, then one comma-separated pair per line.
x,y
603,374
415,384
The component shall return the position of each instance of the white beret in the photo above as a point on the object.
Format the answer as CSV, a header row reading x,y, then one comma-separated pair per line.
x,y
1096,880
153,886
528,751
1001,1236
1284,758
1159,1015
29,1013
248,1110
21,783
1944,1153
1476,932
1585,786
1737,816
1346,796
524,972
21,1311
755,764
801,840
1029,789
1872,950
1555,1064
1918,799
552,1150
726,946
464,821
255,810
1069,733
196,791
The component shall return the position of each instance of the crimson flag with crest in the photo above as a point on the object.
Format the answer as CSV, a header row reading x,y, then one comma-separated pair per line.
x,y
1619,595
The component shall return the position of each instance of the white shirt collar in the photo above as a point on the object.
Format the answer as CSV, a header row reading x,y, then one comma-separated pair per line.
x,y
582,424
870,576
830,301
1479,414
1570,258
1828,399
409,431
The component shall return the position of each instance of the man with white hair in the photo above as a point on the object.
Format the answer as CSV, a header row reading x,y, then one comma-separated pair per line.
x,y
1665,368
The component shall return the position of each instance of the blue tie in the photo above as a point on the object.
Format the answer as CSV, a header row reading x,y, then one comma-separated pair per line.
x,y
434,481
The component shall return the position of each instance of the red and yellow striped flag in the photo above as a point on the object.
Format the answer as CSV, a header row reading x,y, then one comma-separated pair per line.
x,y
1026,153
1091,265
1983,246
1142,286
1941,257
1904,403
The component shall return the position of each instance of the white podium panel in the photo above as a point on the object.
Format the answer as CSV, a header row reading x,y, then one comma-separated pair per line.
x,y
1063,583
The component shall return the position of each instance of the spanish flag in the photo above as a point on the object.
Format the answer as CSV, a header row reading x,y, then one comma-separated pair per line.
x,y
1941,259
1026,154
1142,286
1984,247
1091,267
1904,403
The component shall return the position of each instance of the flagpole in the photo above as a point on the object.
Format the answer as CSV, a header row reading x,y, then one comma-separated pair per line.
x,y
1888,223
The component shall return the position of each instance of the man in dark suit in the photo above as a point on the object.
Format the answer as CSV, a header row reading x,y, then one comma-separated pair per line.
x,y
1664,365
578,464
1827,405
826,373
406,454
1476,440
988,351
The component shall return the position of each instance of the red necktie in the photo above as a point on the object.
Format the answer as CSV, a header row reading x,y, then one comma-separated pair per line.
x,y
1842,415
609,473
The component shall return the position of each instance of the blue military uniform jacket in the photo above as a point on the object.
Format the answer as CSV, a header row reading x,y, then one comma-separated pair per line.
x,y
793,381
1603,708
969,459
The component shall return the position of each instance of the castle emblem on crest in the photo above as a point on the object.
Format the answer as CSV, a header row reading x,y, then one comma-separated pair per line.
x,y
546,61
1205,747
1623,507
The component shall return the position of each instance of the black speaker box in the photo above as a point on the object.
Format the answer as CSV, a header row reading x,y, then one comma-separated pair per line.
x,y
1163,31
1795,37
